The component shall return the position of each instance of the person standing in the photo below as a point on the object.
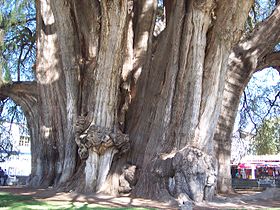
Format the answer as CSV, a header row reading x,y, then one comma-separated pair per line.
x,y
1,176
5,177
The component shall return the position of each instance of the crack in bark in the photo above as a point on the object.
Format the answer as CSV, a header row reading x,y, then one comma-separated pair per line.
x,y
98,139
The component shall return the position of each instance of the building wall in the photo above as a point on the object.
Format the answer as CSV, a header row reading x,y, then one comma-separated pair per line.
x,y
19,165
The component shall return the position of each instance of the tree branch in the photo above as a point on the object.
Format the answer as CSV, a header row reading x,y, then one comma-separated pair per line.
x,y
270,60
247,110
18,89
2,24
143,22
272,104
24,94
264,37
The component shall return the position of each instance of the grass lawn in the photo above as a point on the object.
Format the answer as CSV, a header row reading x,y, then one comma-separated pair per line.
x,y
9,201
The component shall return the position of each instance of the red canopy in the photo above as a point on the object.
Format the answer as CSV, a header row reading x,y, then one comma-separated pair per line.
x,y
244,166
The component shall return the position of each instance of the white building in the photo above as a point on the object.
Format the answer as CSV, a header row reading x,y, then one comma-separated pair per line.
x,y
20,164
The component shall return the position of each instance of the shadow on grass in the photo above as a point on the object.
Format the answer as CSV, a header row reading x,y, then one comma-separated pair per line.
x,y
9,201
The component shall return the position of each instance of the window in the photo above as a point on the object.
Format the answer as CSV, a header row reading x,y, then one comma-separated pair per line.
x,y
24,141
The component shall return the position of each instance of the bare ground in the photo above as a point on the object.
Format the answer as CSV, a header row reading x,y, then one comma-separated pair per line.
x,y
245,199
269,198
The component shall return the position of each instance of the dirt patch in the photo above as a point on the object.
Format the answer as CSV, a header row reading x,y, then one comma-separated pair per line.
x,y
245,199
269,198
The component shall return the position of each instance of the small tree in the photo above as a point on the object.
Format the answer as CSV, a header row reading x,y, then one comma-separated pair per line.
x,y
268,138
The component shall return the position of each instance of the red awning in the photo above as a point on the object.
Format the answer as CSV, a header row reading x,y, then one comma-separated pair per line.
x,y
244,166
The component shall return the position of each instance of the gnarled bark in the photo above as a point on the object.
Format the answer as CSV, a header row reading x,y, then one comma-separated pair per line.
x,y
190,65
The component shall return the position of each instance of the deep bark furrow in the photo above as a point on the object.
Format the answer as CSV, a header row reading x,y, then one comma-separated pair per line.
x,y
106,94
190,90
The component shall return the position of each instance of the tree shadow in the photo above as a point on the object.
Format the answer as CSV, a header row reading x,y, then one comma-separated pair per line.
x,y
122,202
18,201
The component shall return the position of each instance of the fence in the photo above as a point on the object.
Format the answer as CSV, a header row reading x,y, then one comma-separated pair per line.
x,y
255,183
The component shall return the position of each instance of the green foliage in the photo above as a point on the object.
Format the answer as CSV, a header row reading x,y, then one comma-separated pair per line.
x,y
7,75
17,23
267,140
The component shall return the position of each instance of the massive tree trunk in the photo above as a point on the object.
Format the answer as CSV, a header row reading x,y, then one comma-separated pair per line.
x,y
179,111
252,54
54,156
122,111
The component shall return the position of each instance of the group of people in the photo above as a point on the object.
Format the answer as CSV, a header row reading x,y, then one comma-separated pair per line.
x,y
3,177
258,173
268,172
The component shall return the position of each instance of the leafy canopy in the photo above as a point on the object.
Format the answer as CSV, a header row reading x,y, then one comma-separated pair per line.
x,y
268,138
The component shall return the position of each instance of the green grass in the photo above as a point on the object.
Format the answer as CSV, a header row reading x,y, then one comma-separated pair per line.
x,y
18,202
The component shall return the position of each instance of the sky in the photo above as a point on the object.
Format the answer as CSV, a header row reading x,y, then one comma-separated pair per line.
x,y
268,79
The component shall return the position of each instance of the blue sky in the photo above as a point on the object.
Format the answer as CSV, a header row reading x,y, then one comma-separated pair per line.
x,y
267,79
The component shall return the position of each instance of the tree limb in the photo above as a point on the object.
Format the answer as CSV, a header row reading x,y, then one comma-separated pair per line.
x,y
264,37
270,60
24,94
247,110
2,24
272,104
17,90
143,22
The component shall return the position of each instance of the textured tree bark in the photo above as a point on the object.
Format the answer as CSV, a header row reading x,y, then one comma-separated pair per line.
x,y
103,136
247,57
52,149
120,111
185,100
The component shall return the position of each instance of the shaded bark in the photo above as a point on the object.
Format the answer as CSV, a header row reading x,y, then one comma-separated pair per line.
x,y
247,57
54,158
270,60
185,100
